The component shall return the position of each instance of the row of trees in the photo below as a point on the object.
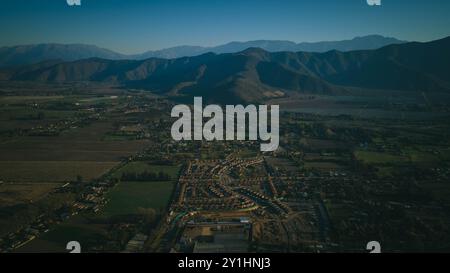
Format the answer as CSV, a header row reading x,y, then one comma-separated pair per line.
x,y
145,176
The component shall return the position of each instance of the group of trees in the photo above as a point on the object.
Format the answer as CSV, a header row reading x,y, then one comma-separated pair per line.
x,y
145,176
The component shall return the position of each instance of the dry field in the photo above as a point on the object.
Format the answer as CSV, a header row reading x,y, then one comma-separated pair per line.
x,y
80,151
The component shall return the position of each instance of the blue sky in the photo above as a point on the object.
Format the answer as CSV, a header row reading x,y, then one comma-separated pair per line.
x,y
134,26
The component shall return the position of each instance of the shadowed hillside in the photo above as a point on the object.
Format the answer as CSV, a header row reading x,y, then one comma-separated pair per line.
x,y
254,74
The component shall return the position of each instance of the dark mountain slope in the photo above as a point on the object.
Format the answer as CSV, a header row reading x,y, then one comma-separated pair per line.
x,y
255,74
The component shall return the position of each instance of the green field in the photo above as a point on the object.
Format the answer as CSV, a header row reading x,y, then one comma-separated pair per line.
x,y
128,197
422,157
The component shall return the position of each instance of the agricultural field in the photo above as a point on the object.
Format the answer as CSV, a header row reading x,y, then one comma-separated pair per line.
x,y
128,197
22,193
62,158
48,140
52,171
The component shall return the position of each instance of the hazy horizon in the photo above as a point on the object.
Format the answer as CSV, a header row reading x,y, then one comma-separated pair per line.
x,y
132,27
212,46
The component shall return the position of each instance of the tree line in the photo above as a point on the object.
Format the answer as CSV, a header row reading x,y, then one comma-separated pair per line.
x,y
145,176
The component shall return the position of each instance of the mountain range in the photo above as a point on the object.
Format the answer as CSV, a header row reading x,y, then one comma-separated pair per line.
x,y
29,54
255,75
